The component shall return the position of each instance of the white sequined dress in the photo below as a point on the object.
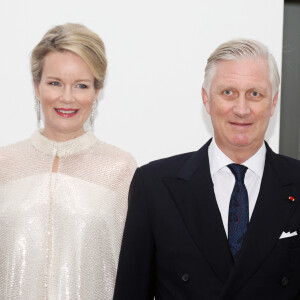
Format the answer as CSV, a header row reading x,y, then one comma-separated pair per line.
x,y
60,233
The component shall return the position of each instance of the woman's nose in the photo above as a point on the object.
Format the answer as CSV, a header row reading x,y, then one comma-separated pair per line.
x,y
67,95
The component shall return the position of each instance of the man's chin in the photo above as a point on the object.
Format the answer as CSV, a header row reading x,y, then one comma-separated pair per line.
x,y
241,142
246,144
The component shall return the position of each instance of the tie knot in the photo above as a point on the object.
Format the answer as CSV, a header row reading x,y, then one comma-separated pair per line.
x,y
238,171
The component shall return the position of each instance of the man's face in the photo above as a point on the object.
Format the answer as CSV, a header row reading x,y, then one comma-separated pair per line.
x,y
240,104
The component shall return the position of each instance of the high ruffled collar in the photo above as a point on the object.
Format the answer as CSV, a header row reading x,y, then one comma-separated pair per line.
x,y
61,149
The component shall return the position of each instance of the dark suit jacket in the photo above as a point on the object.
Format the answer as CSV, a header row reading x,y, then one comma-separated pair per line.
x,y
175,246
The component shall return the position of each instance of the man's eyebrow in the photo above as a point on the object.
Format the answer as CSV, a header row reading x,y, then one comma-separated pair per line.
x,y
232,87
225,86
259,89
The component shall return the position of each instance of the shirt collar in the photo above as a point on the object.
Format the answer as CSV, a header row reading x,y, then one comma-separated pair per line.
x,y
62,149
218,160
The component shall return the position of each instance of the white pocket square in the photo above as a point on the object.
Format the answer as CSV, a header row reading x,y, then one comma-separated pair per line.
x,y
285,235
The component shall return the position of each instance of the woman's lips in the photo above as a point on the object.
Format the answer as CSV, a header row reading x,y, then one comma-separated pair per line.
x,y
66,112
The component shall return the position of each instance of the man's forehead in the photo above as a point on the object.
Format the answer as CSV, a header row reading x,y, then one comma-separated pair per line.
x,y
246,70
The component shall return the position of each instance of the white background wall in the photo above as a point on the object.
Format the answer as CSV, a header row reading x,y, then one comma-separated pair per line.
x,y
151,104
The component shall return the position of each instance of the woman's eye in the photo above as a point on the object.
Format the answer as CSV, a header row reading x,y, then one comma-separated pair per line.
x,y
55,83
227,92
82,86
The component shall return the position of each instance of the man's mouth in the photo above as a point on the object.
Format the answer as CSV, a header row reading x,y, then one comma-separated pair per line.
x,y
240,124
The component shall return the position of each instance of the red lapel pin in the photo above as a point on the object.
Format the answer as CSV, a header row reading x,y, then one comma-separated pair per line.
x,y
291,198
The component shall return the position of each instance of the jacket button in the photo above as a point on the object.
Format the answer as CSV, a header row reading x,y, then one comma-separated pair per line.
x,y
284,281
185,277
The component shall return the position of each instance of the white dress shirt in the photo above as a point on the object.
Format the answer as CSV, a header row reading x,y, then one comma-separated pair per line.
x,y
224,180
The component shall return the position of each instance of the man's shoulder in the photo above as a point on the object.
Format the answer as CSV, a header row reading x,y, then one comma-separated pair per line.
x,y
169,166
185,163
286,168
286,162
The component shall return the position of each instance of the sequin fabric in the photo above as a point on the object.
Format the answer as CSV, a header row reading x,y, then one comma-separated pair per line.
x,y
61,233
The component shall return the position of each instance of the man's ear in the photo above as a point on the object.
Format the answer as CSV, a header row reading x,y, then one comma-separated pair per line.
x,y
205,100
274,103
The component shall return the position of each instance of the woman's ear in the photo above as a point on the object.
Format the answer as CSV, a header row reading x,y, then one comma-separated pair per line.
x,y
36,89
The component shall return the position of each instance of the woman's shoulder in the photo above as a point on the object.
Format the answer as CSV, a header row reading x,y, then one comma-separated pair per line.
x,y
13,160
113,153
14,150
110,162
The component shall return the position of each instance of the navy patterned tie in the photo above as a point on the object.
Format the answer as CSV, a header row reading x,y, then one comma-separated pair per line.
x,y
238,217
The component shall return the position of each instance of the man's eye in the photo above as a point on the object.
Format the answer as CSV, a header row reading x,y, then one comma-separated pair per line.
x,y
227,92
82,86
255,94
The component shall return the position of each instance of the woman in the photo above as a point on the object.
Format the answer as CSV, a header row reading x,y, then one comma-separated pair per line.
x,y
63,193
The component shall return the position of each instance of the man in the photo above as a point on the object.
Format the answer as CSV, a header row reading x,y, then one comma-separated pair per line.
x,y
220,223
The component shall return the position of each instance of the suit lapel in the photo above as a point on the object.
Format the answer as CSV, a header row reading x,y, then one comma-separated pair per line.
x,y
194,197
271,214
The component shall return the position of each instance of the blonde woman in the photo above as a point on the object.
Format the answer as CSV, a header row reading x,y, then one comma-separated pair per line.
x,y
63,193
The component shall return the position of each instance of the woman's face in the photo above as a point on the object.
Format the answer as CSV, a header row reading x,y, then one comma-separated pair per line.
x,y
67,93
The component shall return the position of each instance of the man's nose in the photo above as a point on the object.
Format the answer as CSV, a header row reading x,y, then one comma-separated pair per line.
x,y
241,107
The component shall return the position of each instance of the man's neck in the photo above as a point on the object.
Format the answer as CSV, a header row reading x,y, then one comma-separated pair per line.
x,y
239,154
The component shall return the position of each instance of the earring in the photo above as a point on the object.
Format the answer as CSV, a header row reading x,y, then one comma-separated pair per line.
x,y
92,115
38,110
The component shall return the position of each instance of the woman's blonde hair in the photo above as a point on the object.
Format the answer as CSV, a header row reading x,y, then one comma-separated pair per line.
x,y
77,39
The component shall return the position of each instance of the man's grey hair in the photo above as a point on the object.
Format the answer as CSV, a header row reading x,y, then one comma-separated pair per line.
x,y
238,49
